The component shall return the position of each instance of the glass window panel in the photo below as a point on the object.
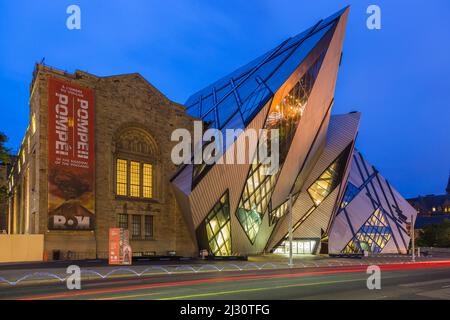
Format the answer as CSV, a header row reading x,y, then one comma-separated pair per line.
x,y
148,226
135,179
136,226
122,221
373,236
147,181
194,110
226,109
218,226
121,177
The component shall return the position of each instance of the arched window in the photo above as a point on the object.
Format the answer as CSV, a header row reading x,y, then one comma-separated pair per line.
x,y
136,160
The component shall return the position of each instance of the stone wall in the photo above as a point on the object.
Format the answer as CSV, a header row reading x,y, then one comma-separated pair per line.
x,y
120,102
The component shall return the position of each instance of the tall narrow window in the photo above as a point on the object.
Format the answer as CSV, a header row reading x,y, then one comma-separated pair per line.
x,y
135,179
218,228
148,227
33,123
122,221
121,177
147,178
136,231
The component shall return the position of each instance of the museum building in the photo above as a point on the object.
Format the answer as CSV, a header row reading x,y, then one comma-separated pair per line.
x,y
97,155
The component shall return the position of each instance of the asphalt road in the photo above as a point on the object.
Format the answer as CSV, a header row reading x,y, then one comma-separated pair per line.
x,y
427,280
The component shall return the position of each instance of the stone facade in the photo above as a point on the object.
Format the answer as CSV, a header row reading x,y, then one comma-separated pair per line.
x,y
3,201
124,105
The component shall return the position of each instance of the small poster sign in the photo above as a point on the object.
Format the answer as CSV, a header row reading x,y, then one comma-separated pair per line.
x,y
119,247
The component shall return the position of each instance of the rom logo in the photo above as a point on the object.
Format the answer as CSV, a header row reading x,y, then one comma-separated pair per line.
x,y
73,22
79,222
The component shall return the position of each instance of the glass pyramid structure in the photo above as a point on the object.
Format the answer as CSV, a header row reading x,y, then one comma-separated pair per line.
x,y
234,100
289,88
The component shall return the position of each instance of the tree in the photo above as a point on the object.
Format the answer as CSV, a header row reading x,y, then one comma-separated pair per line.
x,y
435,235
4,158
4,152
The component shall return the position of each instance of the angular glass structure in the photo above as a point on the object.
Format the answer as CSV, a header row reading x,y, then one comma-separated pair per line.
x,y
217,226
372,237
328,181
289,89
285,118
350,193
278,213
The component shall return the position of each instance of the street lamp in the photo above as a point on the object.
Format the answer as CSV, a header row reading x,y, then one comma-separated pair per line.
x,y
413,247
291,262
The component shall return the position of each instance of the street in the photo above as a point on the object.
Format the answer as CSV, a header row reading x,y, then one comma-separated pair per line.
x,y
423,280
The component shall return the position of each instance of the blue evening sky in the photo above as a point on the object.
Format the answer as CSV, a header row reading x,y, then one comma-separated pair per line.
x,y
398,77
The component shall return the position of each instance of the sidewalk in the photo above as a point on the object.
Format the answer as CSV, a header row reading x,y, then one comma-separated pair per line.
x,y
54,272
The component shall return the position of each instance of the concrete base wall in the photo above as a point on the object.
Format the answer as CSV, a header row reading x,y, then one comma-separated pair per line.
x,y
21,248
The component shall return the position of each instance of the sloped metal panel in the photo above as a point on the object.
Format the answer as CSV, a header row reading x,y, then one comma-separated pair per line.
x,y
319,218
183,179
289,65
319,101
222,177
341,134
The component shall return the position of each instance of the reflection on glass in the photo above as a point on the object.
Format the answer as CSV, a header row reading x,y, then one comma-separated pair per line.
x,y
372,237
350,193
218,228
259,187
329,180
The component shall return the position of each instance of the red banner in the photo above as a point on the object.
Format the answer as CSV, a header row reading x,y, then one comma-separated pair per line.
x,y
119,247
71,157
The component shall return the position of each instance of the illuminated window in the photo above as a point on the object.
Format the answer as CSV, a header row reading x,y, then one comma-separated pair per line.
x,y
135,179
350,193
278,213
372,237
121,177
122,221
255,200
329,180
148,227
136,226
284,117
218,228
147,179
128,179
140,154
33,123
298,247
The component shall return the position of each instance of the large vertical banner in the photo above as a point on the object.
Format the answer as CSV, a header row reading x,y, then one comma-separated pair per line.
x,y
71,157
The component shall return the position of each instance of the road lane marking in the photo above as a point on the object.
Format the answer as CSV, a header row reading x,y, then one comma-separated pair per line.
x,y
425,283
221,286
261,289
187,282
392,267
